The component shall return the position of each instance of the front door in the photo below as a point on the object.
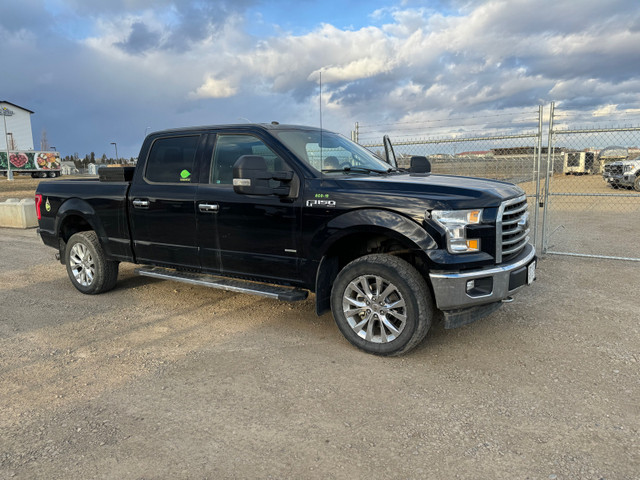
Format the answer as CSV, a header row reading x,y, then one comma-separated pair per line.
x,y
246,235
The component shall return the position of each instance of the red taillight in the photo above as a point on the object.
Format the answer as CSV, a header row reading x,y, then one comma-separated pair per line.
x,y
38,203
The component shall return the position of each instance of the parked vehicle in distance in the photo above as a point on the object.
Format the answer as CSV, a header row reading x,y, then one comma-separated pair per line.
x,y
38,164
579,163
280,211
623,174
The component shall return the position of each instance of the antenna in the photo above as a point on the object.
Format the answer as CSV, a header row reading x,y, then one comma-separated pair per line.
x,y
320,100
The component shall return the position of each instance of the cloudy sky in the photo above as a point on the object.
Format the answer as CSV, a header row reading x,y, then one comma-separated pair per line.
x,y
101,71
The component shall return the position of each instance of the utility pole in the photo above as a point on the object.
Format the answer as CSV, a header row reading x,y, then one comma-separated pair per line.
x,y
116,145
6,112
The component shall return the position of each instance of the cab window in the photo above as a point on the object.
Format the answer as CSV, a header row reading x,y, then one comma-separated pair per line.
x,y
229,148
171,159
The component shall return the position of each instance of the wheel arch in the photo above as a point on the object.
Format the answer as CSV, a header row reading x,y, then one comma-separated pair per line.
x,y
76,215
364,232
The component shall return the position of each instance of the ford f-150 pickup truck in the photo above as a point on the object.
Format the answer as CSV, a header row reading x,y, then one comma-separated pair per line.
x,y
280,211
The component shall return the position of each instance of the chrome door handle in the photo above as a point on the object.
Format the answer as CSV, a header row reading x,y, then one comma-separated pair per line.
x,y
208,207
140,203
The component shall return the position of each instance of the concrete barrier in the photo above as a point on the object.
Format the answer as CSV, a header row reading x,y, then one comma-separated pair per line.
x,y
16,213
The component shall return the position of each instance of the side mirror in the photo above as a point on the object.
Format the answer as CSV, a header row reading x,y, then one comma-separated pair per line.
x,y
420,166
251,177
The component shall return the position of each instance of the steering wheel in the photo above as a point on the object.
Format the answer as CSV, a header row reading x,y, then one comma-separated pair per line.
x,y
345,165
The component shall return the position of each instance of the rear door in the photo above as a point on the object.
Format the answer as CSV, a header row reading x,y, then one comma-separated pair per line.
x,y
162,203
246,235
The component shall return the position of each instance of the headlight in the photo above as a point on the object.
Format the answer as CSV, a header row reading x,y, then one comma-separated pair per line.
x,y
455,223
628,168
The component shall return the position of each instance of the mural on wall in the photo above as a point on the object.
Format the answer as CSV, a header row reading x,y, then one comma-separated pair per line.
x,y
30,160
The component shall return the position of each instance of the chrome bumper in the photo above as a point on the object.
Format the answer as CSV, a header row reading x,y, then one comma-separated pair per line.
x,y
450,289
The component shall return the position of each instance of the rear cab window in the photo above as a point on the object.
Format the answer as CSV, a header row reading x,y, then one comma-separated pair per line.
x,y
172,160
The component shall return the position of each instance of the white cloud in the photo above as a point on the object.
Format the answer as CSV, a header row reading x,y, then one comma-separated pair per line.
x,y
214,88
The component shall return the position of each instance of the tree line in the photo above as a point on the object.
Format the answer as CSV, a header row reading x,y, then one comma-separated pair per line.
x,y
83,163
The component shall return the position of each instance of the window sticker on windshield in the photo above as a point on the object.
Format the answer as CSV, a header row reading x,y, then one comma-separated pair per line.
x,y
185,176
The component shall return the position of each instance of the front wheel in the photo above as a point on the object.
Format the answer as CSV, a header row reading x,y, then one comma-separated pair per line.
x,y
88,269
636,184
382,305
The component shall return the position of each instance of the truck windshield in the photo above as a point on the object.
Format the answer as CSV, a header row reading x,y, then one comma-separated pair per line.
x,y
329,152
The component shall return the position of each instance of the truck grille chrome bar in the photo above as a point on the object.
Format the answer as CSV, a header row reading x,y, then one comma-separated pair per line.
x,y
512,228
613,169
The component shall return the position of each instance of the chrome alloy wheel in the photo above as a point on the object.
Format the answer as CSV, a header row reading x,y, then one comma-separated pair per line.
x,y
82,264
374,308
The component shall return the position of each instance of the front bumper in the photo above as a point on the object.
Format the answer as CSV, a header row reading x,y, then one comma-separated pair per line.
x,y
625,180
452,290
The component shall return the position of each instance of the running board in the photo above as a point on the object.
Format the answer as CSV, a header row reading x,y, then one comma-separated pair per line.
x,y
286,294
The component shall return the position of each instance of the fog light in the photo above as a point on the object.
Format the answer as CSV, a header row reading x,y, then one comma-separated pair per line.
x,y
480,287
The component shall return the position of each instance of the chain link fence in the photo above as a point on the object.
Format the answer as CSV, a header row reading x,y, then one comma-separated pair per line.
x,y
593,189
580,183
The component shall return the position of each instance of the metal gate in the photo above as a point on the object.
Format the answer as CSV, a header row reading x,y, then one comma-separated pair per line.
x,y
584,214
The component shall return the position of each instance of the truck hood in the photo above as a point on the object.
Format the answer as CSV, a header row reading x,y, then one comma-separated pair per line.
x,y
622,163
439,191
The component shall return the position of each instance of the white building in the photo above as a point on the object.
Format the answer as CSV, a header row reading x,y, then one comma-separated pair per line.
x,y
18,134
69,168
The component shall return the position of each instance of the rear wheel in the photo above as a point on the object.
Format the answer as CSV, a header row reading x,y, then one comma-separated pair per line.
x,y
382,305
88,269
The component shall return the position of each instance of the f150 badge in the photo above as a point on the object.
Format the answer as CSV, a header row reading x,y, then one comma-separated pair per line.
x,y
321,203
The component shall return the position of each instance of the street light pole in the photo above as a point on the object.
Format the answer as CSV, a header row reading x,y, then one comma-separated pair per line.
x,y
116,145
6,143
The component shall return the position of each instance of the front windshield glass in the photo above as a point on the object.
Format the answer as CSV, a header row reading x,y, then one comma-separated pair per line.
x,y
330,153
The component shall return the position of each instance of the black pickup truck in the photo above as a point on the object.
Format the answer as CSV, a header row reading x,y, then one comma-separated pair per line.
x,y
280,211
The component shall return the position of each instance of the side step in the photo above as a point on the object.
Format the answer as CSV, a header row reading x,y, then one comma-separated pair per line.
x,y
286,294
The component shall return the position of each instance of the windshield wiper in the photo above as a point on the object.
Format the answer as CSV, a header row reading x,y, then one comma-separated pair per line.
x,y
355,170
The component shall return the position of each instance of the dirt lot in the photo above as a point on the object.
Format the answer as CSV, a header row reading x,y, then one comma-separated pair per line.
x,y
161,380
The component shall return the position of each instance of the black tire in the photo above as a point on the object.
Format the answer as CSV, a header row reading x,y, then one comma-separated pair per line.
x,y
88,269
636,184
373,323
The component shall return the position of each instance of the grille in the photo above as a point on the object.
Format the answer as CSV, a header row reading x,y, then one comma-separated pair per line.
x,y
613,169
512,228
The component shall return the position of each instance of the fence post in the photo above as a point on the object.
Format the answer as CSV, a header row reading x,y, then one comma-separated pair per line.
x,y
536,173
545,239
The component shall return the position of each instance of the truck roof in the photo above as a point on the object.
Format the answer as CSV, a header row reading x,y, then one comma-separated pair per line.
x,y
241,126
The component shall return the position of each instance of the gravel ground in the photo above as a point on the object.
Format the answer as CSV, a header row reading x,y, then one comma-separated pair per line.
x,y
157,379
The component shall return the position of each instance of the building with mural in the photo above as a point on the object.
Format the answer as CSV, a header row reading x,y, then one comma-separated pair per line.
x,y
16,145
